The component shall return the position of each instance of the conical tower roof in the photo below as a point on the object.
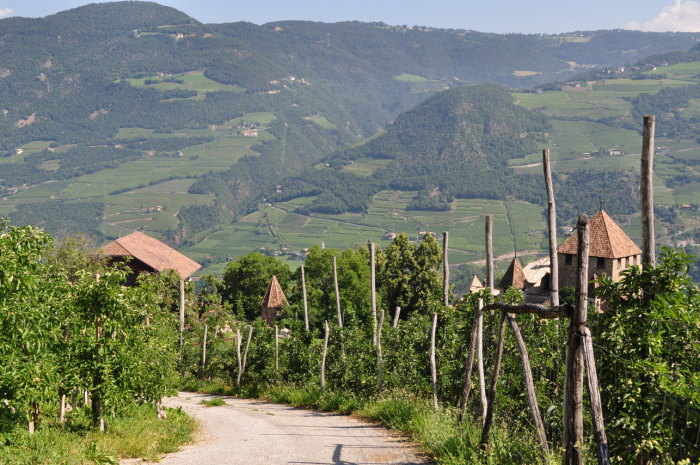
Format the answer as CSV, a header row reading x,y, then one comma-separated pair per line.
x,y
607,239
274,297
476,285
514,276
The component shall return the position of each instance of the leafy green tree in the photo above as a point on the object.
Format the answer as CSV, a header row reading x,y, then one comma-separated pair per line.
x,y
650,340
246,279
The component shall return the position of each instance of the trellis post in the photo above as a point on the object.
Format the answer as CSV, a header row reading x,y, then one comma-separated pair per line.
x,y
573,377
552,217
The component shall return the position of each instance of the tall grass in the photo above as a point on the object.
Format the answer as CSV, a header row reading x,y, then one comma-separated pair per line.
x,y
138,433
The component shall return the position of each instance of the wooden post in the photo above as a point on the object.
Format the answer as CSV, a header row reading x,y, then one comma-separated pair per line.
x,y
552,217
489,252
97,401
469,366
204,350
379,353
238,353
245,354
62,418
445,271
530,388
182,312
323,358
34,414
373,293
433,368
601,439
494,383
573,376
303,290
397,313
277,357
480,358
337,293
647,194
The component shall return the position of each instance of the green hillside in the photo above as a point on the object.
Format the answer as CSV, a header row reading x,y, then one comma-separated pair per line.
x,y
130,115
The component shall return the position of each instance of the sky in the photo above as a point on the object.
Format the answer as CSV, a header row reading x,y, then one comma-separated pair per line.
x,y
502,16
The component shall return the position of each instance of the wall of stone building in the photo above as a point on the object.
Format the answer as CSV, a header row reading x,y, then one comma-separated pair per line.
x,y
269,315
567,273
613,266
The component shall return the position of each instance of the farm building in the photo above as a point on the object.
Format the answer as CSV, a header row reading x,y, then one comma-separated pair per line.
x,y
273,301
611,251
144,254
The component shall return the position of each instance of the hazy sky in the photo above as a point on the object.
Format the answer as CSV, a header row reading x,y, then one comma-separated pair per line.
x,y
546,16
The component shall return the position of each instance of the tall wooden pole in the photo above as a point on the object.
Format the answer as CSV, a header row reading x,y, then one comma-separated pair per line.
x,y
552,217
480,357
373,292
337,292
573,376
530,389
445,272
647,193
494,383
433,367
182,311
601,439
323,357
397,313
469,366
277,354
303,290
489,252
380,362
204,350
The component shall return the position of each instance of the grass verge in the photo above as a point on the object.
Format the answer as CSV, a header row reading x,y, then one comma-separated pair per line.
x,y
138,433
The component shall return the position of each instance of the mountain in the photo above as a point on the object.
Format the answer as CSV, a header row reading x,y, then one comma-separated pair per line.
x,y
127,116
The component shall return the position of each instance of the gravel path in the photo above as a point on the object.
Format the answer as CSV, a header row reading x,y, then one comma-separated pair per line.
x,y
249,431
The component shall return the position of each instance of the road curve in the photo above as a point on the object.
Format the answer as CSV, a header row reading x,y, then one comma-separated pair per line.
x,y
248,431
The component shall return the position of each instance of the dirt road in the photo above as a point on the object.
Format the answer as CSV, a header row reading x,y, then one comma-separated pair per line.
x,y
248,431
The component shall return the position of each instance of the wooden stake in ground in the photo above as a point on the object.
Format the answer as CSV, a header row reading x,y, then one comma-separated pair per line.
x,y
573,376
238,353
182,312
241,369
488,419
489,252
530,388
601,440
337,293
277,352
647,193
63,409
433,368
397,313
303,291
470,364
323,358
552,217
34,415
480,358
379,353
373,292
445,272
204,350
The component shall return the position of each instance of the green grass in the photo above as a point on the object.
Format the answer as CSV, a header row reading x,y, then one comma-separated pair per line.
x,y
193,80
410,78
321,121
138,433
215,402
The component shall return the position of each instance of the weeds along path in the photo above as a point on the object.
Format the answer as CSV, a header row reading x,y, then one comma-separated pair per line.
x,y
248,431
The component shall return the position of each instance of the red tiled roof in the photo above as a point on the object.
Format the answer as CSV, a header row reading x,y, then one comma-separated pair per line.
x,y
274,297
153,253
607,239
514,276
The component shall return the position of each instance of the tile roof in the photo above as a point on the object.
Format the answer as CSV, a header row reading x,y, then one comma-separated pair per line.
x,y
607,240
153,253
274,296
476,285
514,276
536,270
